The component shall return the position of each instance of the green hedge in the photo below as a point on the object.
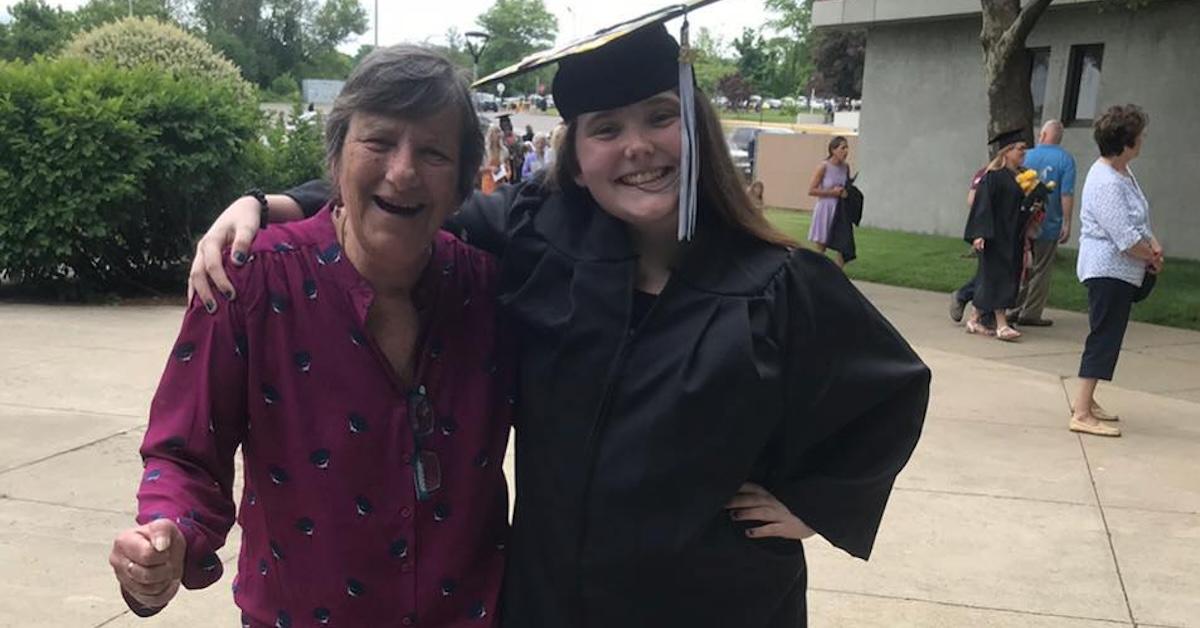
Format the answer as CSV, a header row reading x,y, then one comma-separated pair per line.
x,y
108,174
289,152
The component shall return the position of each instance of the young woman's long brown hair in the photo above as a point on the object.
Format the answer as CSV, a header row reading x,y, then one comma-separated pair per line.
x,y
720,186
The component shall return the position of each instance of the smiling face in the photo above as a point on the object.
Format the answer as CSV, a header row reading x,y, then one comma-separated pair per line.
x,y
398,180
629,160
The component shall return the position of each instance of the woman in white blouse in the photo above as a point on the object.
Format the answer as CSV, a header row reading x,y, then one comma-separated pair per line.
x,y
1116,251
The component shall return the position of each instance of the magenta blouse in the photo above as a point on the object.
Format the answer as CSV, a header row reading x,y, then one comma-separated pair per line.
x,y
335,531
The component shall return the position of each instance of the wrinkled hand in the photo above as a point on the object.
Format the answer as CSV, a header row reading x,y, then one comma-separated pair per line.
x,y
1065,233
978,244
148,562
236,226
755,503
1156,265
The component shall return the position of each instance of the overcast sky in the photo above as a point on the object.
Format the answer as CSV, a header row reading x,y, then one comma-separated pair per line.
x,y
421,20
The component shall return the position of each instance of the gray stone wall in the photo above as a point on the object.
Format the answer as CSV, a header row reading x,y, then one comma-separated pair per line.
x,y
924,114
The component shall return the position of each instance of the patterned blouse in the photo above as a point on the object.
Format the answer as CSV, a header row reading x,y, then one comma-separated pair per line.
x,y
1115,216
367,502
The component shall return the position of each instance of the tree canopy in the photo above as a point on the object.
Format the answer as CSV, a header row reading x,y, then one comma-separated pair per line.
x,y
516,29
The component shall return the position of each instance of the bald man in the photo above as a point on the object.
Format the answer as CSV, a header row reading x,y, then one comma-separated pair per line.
x,y
1052,163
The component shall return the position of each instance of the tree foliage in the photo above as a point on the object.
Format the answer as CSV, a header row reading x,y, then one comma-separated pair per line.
x,y
134,42
838,58
517,28
735,88
36,28
712,63
268,38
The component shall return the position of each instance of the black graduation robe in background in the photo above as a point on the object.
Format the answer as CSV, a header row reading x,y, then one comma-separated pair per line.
x,y
755,364
998,216
847,215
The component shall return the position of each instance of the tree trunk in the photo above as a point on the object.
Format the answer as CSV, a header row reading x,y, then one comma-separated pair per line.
x,y
1006,63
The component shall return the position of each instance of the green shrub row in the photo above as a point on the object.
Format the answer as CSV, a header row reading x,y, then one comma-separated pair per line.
x,y
107,174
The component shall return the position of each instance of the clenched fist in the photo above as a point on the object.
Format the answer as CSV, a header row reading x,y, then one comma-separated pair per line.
x,y
148,562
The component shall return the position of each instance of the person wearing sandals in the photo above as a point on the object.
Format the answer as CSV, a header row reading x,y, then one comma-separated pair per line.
x,y
1119,257
995,229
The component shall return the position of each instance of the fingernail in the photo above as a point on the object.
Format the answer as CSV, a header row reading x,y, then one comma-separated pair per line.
x,y
230,295
210,306
161,543
749,531
239,258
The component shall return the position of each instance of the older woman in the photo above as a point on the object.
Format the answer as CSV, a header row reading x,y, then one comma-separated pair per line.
x,y
356,367
1116,251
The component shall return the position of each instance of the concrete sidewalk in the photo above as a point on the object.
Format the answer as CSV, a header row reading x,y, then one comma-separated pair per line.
x,y
1003,517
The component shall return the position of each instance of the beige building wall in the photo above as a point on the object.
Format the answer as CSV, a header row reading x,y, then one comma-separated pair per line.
x,y
785,164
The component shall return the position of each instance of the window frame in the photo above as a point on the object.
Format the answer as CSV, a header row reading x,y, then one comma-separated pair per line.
x,y
1074,77
1033,53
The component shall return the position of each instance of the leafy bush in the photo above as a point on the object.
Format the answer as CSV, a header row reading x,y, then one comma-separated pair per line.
x,y
290,151
106,174
134,42
284,88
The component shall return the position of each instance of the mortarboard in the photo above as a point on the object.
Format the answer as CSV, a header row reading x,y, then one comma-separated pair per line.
x,y
621,65
1005,138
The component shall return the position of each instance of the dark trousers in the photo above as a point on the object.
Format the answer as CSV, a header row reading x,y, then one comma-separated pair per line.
x,y
1109,303
966,294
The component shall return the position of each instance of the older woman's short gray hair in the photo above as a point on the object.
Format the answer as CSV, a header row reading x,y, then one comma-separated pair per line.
x,y
408,82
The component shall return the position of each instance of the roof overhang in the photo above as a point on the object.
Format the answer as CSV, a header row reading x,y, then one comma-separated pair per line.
x,y
863,13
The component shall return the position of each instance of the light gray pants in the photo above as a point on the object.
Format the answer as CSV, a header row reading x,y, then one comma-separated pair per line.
x,y
1031,300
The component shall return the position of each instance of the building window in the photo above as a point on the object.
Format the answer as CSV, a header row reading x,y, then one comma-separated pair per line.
x,y
1039,69
1083,84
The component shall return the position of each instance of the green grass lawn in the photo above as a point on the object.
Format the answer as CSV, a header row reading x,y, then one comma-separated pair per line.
x,y
765,116
937,263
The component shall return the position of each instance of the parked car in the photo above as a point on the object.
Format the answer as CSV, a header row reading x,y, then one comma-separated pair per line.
x,y
739,145
772,103
486,102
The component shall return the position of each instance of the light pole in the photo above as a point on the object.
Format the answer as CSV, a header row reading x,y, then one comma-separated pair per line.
x,y
476,41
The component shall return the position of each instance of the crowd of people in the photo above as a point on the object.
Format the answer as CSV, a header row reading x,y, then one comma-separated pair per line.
x,y
512,158
1015,232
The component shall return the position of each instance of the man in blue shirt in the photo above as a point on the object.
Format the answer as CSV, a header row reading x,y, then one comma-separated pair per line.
x,y
1052,163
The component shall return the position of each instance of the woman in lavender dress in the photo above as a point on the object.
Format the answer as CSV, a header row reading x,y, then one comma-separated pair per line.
x,y
829,185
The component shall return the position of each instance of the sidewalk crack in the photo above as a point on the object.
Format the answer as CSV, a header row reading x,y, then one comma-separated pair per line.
x,y
1107,531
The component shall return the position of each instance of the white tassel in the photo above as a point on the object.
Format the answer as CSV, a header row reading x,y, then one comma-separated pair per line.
x,y
689,158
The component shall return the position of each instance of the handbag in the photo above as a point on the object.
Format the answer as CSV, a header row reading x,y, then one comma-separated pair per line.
x,y
1147,286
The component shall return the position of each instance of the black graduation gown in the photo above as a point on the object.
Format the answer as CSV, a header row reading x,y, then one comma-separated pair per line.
x,y
755,363
845,217
998,216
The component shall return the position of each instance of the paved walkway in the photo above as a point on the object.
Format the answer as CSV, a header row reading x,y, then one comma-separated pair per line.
x,y
1003,518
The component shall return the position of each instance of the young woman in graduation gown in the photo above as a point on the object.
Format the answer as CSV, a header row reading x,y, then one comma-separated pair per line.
x,y
686,410
996,229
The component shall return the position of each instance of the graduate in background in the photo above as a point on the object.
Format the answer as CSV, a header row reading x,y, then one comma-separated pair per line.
x,y
697,395
996,229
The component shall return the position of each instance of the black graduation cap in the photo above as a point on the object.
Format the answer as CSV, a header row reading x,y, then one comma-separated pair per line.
x,y
621,65
1005,138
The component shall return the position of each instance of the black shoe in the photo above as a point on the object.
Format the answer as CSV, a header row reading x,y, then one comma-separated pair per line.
x,y
956,308
1035,322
